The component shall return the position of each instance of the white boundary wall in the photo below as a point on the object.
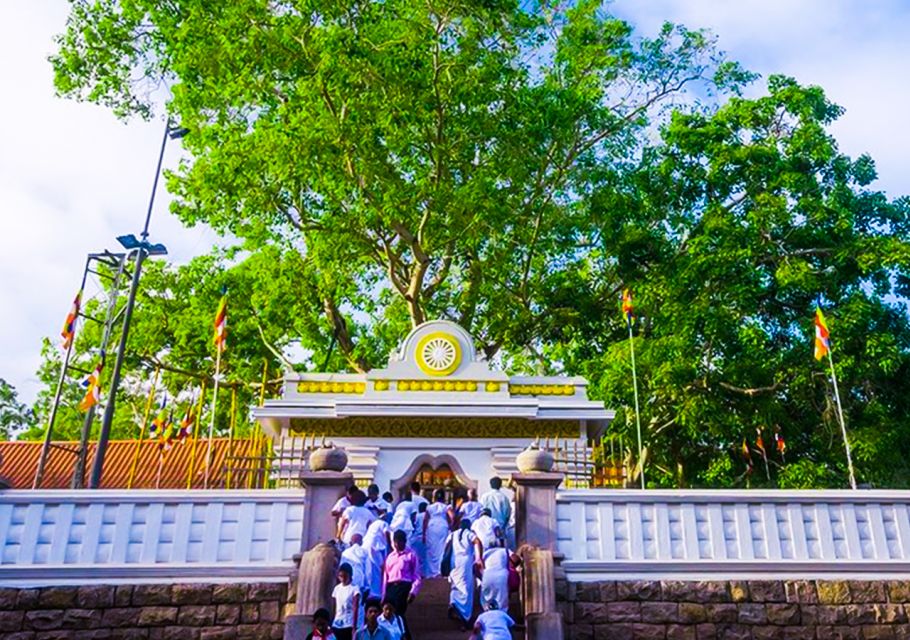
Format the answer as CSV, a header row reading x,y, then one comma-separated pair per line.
x,y
729,534
75,537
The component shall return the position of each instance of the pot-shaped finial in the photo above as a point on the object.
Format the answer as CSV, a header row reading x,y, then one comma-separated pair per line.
x,y
535,459
328,457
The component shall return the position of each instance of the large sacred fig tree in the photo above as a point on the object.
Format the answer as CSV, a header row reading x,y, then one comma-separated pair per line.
x,y
428,159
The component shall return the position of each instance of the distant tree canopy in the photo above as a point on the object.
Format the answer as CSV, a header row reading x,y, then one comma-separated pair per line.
x,y
512,169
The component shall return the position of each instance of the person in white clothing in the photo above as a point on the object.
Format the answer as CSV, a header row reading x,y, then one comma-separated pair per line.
x,y
467,551
390,621
376,544
470,508
348,616
416,496
355,519
344,501
498,503
486,528
436,525
356,556
377,505
494,585
493,624
403,518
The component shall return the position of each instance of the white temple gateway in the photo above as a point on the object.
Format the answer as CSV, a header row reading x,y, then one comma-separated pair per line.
x,y
437,413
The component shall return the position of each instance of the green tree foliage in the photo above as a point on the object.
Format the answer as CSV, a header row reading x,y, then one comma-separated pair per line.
x,y
729,230
14,415
512,168
425,157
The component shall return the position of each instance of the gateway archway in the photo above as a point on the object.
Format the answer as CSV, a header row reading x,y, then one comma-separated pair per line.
x,y
434,472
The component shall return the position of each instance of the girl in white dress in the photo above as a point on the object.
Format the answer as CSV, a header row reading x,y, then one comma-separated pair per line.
x,y
376,544
436,526
467,551
494,586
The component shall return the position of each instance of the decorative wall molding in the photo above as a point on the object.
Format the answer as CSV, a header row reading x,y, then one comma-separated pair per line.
x,y
606,534
96,536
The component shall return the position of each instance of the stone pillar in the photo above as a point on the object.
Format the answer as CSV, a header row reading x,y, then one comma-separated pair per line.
x,y
535,509
315,579
542,620
323,488
535,532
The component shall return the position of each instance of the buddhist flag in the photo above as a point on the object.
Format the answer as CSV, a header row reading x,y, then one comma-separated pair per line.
x,y
167,435
221,325
92,386
69,326
747,455
627,305
780,443
822,342
186,425
759,442
160,423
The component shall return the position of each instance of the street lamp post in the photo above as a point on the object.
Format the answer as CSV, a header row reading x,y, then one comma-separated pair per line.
x,y
142,248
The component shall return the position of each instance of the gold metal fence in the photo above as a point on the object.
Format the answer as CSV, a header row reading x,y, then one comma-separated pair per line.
x,y
603,464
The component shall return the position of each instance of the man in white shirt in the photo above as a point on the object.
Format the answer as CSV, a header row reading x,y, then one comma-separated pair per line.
x,y
470,509
377,505
498,504
487,529
344,501
356,556
355,519
416,498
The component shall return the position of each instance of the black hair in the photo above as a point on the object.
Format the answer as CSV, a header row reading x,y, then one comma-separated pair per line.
x,y
352,489
388,497
322,614
422,507
346,568
496,482
415,487
373,602
465,523
372,488
400,535
486,512
439,495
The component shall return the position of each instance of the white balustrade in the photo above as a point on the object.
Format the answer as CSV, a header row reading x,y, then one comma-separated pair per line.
x,y
727,534
75,537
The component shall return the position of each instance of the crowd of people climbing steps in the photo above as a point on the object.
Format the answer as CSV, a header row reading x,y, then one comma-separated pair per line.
x,y
388,549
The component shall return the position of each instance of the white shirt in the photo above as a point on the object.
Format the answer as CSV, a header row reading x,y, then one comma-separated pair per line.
x,y
344,604
485,528
359,520
378,506
401,520
419,500
393,626
356,556
375,539
498,504
342,504
495,625
470,510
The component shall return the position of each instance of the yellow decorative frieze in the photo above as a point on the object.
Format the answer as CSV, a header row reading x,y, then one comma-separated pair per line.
x,y
437,385
325,386
401,428
542,389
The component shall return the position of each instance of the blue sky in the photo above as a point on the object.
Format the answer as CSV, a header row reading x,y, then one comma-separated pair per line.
x,y
72,177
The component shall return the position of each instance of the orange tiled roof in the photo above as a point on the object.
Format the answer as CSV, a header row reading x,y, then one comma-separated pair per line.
x,y
20,460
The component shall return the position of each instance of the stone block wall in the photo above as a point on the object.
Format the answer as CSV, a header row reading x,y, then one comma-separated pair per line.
x,y
736,610
145,612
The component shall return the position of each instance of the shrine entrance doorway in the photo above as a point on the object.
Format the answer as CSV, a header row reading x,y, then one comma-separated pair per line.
x,y
434,472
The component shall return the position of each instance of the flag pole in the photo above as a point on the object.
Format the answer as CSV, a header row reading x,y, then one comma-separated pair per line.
x,y
192,462
208,451
840,417
145,421
641,461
